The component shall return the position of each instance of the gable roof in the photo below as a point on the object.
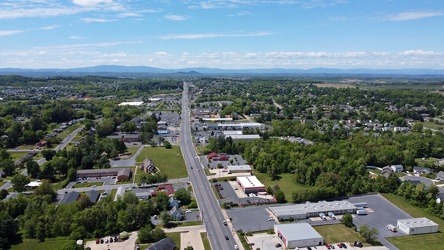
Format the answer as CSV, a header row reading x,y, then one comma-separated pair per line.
x,y
163,244
93,195
69,198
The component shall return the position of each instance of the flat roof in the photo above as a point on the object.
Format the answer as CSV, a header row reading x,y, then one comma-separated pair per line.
x,y
240,125
305,208
239,167
417,222
250,182
217,119
233,132
297,231
243,137
131,103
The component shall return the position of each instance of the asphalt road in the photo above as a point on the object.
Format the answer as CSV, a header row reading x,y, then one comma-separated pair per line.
x,y
211,212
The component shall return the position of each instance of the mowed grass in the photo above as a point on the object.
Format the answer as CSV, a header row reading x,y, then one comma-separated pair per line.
x,y
425,241
336,233
48,244
205,240
169,161
176,238
285,183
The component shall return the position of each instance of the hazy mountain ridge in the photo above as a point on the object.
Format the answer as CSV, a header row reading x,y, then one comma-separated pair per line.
x,y
116,69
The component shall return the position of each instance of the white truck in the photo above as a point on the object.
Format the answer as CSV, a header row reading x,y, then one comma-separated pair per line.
x,y
322,215
332,215
361,211
391,228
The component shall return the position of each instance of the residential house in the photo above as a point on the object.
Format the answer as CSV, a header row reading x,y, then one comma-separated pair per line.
x,y
166,188
148,166
421,170
176,213
397,168
440,176
386,171
69,197
173,202
163,244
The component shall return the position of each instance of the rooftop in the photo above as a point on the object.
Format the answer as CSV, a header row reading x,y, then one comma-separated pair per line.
x,y
417,222
249,181
297,231
311,207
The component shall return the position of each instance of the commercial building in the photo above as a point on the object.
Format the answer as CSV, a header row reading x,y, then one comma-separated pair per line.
x,y
121,173
238,169
307,210
417,226
250,184
243,137
298,235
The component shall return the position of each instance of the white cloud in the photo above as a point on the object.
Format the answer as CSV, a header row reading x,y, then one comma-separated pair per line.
x,y
213,35
91,3
96,20
51,27
414,15
176,17
37,12
76,37
9,32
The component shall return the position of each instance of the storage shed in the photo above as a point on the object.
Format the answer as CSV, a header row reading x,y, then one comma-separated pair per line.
x,y
298,235
417,226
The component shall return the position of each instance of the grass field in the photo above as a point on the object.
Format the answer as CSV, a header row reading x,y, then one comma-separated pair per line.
x,y
339,233
205,241
48,244
169,161
425,241
176,238
286,183
432,125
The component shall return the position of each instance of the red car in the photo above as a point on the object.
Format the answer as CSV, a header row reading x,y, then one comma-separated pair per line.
x,y
327,246
340,245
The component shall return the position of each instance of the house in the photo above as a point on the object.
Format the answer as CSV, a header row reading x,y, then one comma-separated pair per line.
x,y
421,170
176,213
212,155
174,202
163,244
69,198
386,171
124,174
440,176
166,188
148,166
93,195
41,144
126,137
397,168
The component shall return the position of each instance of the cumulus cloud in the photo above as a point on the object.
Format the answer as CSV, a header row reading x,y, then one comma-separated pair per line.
x,y
96,20
414,15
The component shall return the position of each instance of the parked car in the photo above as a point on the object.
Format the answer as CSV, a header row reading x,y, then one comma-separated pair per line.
x,y
270,218
357,244
101,241
278,245
327,246
339,245
111,240
226,237
97,241
188,211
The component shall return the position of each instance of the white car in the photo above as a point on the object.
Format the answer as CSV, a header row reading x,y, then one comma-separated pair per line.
x,y
236,247
270,218
188,211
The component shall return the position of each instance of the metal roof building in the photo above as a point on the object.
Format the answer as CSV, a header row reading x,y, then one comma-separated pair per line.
x,y
250,184
243,137
239,168
417,226
69,197
307,210
298,235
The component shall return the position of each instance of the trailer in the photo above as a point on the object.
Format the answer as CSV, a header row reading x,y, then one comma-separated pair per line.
x,y
322,215
360,204
332,215
361,211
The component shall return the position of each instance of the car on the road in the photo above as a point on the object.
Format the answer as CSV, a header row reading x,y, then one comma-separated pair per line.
x,y
278,245
225,223
226,237
101,241
270,218
236,247
188,211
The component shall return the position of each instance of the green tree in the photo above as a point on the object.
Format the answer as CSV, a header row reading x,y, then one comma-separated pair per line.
x,y
280,196
369,234
8,166
167,144
19,182
45,189
3,194
145,234
158,234
33,169
183,195
165,217
347,220
8,230
48,154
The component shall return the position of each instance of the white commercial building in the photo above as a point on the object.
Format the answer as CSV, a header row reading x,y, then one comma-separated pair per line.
x,y
298,235
131,103
243,137
250,184
307,210
417,226
239,169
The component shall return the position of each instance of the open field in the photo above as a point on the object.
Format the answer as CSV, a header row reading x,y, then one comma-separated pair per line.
x,y
48,244
286,183
425,241
169,161
432,125
336,233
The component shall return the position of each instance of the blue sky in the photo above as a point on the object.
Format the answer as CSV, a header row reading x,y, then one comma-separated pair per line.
x,y
228,34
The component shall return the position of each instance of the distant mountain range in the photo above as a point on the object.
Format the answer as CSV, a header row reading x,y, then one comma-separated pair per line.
x,y
145,70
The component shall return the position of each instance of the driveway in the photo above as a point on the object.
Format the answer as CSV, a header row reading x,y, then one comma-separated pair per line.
x,y
124,245
130,162
189,236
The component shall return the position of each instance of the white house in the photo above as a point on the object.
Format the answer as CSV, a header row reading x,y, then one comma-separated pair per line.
x,y
397,168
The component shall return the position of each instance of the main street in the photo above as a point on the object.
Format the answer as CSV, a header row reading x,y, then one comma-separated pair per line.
x,y
211,213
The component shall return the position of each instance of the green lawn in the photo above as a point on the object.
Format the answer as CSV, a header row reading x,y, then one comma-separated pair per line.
x,y
169,161
205,241
176,238
286,183
82,185
336,233
432,125
425,241
48,244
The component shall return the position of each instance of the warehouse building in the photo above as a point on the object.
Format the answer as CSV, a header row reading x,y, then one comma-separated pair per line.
x,y
298,235
239,169
250,184
307,210
121,173
417,226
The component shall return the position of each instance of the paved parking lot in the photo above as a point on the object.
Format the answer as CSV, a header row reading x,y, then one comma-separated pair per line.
x,y
252,219
380,213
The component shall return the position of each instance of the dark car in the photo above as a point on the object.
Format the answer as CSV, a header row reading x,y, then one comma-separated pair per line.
x,y
278,245
308,248
343,245
115,239
357,244
111,240
226,237
101,241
